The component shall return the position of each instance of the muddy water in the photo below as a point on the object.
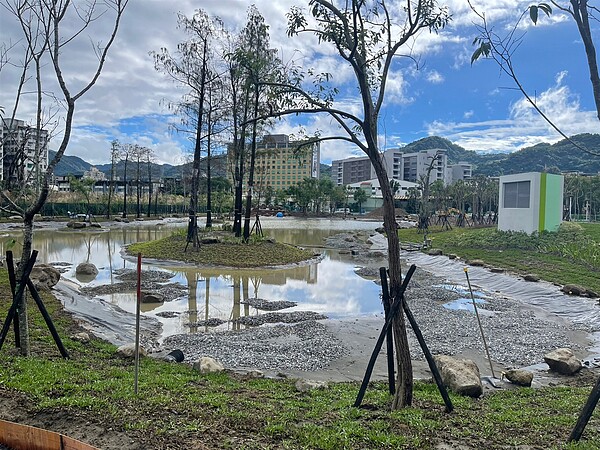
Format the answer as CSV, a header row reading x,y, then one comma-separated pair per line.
x,y
330,286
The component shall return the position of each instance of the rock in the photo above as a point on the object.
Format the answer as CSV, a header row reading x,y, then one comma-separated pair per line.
x,y
380,230
588,292
209,240
519,377
573,289
128,351
95,225
256,374
208,365
86,269
460,375
76,225
44,277
434,252
15,218
496,270
82,337
477,263
563,361
308,385
355,253
451,256
152,297
531,277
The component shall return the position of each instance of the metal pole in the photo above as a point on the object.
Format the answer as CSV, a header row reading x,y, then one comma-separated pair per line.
x,y
137,322
487,352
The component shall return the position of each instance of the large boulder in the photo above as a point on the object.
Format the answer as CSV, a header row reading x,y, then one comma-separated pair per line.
x,y
151,297
128,351
208,365
44,277
520,377
309,385
574,289
460,375
86,268
563,361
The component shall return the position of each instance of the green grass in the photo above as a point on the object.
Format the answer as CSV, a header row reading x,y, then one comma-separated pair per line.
x,y
571,255
178,406
230,252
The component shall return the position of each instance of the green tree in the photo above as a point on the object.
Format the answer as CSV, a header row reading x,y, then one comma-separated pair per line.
x,y
360,196
84,187
368,36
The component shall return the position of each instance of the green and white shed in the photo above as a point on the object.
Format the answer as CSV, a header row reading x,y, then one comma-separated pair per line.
x,y
530,202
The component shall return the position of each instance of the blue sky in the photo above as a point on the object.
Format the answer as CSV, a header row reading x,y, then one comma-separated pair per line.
x,y
472,106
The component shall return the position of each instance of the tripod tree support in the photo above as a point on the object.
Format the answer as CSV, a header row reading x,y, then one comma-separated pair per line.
x,y
12,312
13,285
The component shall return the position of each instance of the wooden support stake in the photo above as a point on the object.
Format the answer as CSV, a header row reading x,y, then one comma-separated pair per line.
x,y
47,319
396,307
20,290
10,265
432,365
586,413
385,298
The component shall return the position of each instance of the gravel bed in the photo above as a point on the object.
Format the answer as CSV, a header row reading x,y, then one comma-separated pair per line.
x,y
515,335
146,275
268,305
277,317
304,346
169,291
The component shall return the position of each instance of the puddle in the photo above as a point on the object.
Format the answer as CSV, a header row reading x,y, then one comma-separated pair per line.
x,y
464,304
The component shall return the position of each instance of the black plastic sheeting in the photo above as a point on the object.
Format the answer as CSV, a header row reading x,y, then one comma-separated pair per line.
x,y
540,295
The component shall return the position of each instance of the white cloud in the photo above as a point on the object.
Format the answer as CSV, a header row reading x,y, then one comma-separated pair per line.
x,y
435,77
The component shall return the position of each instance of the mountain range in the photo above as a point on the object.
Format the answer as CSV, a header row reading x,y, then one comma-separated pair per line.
x,y
562,156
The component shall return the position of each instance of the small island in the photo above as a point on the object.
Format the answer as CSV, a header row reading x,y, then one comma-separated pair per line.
x,y
221,248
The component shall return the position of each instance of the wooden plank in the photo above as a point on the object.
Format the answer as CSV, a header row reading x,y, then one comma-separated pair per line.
x,y
25,437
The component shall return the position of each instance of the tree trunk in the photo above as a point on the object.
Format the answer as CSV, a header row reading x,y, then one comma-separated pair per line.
x,y
404,382
251,172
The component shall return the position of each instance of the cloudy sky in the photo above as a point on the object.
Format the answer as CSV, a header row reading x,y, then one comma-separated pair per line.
x,y
473,106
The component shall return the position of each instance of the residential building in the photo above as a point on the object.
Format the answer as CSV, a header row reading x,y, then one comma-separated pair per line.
x,y
94,174
351,170
460,171
23,151
281,163
416,165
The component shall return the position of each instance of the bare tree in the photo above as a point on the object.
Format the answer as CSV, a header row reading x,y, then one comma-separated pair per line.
x,y
501,47
114,158
369,36
45,44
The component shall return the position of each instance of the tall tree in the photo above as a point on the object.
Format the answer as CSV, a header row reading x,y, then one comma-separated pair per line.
x,y
50,29
114,158
191,66
368,36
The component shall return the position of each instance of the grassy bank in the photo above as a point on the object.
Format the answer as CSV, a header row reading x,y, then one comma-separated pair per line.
x,y
177,408
570,256
227,251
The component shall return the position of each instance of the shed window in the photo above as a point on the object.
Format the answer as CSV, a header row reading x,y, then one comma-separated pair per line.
x,y
516,195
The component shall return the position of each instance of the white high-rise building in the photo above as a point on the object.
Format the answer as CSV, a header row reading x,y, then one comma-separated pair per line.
x,y
23,152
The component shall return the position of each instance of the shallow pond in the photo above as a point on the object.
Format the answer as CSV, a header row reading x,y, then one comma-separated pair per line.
x,y
329,287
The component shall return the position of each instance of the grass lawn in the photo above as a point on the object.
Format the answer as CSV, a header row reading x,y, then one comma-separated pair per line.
x,y
178,408
570,256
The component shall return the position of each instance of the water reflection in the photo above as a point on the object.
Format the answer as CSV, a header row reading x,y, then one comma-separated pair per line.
x,y
330,287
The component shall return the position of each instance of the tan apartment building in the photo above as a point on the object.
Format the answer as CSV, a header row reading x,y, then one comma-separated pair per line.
x,y
281,164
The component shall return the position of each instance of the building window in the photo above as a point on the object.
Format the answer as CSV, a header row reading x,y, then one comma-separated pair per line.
x,y
517,194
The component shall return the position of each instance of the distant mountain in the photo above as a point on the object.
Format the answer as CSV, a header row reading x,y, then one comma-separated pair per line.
x,y
560,157
73,165
69,165
455,152
325,171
